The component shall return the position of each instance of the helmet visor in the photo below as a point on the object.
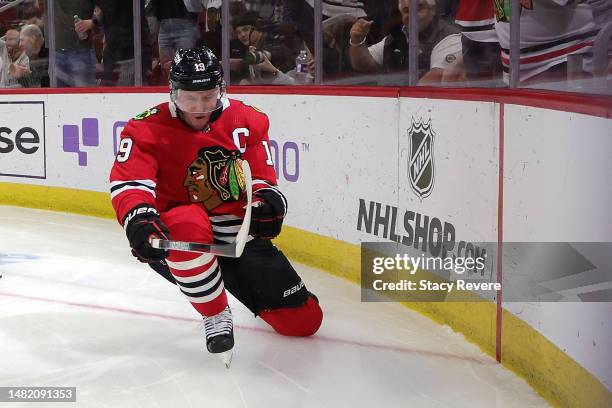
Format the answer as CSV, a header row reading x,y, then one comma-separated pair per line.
x,y
205,101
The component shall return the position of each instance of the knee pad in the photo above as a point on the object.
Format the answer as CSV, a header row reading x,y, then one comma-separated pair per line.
x,y
300,321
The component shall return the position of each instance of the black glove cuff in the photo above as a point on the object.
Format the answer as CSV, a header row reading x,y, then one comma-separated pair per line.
x,y
275,200
142,211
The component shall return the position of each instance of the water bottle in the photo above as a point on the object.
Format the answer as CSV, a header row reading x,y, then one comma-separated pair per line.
x,y
301,67
83,35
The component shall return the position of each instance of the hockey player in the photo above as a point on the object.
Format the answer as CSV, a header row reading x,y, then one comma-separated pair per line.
x,y
551,30
175,175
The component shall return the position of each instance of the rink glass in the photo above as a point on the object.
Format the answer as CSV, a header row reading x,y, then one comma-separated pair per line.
x,y
132,56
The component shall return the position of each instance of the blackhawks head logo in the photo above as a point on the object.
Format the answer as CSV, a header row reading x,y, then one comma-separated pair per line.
x,y
146,114
215,177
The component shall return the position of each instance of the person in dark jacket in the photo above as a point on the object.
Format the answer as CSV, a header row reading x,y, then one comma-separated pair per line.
x,y
439,45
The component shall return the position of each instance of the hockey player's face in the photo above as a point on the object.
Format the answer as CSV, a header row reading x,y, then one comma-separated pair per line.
x,y
197,106
197,121
197,183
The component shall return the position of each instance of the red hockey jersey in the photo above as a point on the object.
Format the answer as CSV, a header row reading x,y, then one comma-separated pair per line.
x,y
477,19
163,162
475,14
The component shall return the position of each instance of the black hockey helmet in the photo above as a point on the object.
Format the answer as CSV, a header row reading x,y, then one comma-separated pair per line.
x,y
196,69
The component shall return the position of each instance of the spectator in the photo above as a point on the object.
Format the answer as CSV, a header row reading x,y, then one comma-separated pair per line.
x,y
299,14
14,63
385,16
117,20
75,56
271,52
210,28
31,13
177,29
5,62
439,45
32,42
336,34
239,71
11,38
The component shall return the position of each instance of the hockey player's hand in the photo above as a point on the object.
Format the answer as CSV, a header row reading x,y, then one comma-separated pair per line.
x,y
141,224
267,214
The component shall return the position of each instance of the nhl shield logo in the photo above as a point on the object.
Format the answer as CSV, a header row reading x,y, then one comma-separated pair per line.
x,y
420,157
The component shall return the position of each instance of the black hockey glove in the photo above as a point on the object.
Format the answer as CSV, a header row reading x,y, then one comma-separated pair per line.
x,y
267,214
140,224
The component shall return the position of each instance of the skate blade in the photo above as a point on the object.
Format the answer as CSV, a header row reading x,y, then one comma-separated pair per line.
x,y
226,357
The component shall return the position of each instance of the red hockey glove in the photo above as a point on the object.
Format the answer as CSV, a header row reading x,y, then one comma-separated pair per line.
x,y
267,214
141,224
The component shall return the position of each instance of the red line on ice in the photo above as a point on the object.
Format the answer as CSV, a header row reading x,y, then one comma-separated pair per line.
x,y
315,338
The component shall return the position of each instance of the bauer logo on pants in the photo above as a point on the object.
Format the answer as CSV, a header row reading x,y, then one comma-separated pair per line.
x,y
22,139
420,157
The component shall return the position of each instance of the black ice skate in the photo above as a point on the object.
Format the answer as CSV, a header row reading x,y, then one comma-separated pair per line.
x,y
220,335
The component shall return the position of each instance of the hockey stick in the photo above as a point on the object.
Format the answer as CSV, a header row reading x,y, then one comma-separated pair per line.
x,y
233,250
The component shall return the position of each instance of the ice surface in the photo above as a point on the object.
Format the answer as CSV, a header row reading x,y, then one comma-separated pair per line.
x,y
77,310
